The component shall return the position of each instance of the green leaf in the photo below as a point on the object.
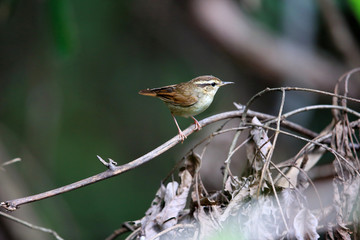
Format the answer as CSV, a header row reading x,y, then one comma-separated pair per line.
x,y
355,7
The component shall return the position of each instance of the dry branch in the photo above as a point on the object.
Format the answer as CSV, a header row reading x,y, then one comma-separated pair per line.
x,y
256,203
32,226
116,170
14,204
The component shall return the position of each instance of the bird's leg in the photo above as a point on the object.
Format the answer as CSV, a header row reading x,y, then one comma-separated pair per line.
x,y
181,134
197,124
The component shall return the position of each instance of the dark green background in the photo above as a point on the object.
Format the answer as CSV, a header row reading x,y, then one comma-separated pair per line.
x,y
69,76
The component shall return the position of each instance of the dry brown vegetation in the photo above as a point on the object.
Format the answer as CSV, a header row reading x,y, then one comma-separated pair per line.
x,y
270,198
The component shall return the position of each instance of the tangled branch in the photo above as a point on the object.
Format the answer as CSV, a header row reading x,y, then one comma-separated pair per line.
x,y
269,195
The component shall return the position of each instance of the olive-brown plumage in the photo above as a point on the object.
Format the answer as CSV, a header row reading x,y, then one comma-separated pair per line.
x,y
189,98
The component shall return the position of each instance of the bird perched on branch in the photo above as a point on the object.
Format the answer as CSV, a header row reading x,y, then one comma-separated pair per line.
x,y
189,98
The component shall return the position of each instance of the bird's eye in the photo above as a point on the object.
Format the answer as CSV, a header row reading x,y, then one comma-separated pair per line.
x,y
213,84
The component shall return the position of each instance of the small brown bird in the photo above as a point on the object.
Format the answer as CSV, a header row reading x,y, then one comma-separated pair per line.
x,y
189,98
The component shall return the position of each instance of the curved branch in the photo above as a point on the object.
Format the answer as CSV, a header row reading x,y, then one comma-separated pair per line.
x,y
12,205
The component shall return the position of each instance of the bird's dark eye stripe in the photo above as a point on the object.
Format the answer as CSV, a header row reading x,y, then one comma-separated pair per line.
x,y
207,84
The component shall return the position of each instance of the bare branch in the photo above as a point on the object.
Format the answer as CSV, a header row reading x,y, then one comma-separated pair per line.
x,y
116,170
32,226
9,162
14,204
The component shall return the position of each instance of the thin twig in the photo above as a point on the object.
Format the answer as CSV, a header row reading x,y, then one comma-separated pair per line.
x,y
126,227
313,107
228,159
133,234
283,174
213,134
335,153
171,229
32,226
117,233
314,187
271,150
268,90
236,149
231,149
9,162
12,205
277,199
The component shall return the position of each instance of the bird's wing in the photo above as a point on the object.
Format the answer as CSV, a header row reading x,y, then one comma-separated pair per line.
x,y
169,95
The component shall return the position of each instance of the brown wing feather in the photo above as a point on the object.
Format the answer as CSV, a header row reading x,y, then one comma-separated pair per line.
x,y
169,95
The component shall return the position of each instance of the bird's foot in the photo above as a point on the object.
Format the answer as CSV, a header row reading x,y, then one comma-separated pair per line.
x,y
197,124
182,136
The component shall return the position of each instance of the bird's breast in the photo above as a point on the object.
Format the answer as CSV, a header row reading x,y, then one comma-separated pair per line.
x,y
201,105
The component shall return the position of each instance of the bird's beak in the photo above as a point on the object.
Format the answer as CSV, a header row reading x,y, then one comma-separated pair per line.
x,y
226,83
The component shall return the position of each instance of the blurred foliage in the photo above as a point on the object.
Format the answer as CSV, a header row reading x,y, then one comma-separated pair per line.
x,y
63,25
269,14
355,7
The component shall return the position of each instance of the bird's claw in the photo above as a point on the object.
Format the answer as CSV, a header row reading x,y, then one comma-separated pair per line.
x,y
182,136
197,126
